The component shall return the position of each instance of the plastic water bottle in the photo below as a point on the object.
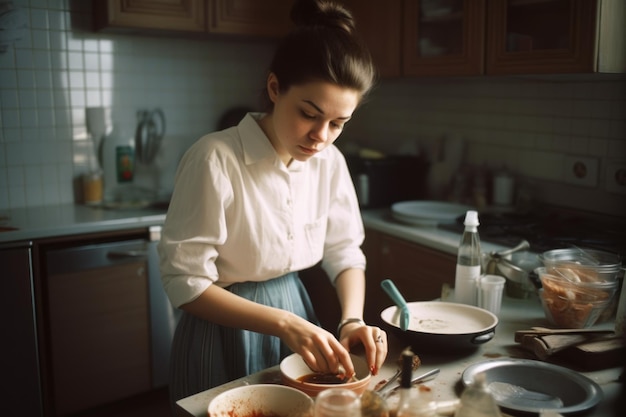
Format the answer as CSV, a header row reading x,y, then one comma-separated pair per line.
x,y
468,265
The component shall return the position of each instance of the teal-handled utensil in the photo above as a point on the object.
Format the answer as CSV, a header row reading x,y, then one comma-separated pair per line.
x,y
392,291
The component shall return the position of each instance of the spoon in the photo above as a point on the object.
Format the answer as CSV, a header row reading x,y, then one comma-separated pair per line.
x,y
514,394
417,380
520,246
393,292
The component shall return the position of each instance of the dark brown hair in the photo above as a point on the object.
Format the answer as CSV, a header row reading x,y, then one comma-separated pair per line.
x,y
323,46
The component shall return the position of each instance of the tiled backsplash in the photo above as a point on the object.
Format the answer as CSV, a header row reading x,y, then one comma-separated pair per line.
x,y
531,125
48,78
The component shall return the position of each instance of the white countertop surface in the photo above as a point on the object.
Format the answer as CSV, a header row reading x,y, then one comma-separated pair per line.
x,y
69,219
433,237
516,314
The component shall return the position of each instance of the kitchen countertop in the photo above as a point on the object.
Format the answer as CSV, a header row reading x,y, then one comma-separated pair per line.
x,y
516,314
69,219
433,237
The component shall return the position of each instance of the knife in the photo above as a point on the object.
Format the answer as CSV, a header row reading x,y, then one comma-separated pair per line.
x,y
392,291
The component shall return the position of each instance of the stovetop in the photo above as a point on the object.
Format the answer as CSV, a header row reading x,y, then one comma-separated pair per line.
x,y
549,230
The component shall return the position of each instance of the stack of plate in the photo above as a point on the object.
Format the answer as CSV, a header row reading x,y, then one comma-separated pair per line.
x,y
428,213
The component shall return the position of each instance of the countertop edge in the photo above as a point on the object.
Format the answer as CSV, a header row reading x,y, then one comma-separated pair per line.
x,y
68,219
430,236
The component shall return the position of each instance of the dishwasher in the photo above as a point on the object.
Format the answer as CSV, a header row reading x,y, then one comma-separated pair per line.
x,y
110,322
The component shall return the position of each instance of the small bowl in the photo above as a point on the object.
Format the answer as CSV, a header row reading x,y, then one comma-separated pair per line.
x,y
293,368
261,399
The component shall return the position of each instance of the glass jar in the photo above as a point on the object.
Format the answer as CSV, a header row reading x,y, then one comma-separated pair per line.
x,y
92,187
337,402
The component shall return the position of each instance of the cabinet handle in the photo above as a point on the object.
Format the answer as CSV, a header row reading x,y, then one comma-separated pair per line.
x,y
384,248
115,254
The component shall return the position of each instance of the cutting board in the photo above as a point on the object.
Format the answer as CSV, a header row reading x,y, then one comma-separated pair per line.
x,y
583,350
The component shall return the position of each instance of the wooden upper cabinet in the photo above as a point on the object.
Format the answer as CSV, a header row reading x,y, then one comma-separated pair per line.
x,y
444,38
380,26
473,37
175,15
541,36
556,36
269,18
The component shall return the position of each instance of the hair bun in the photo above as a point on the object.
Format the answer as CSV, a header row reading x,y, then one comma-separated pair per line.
x,y
322,13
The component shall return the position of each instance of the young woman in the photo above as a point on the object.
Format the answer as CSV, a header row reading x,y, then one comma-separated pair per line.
x,y
256,203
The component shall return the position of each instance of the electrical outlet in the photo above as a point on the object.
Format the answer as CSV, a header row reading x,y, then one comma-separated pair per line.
x,y
615,179
580,170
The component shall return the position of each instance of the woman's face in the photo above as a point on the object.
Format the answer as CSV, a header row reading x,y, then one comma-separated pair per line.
x,y
307,118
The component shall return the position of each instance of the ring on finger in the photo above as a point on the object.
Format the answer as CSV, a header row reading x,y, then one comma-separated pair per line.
x,y
379,339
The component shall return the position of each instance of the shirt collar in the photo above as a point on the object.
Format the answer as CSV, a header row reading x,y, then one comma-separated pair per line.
x,y
255,150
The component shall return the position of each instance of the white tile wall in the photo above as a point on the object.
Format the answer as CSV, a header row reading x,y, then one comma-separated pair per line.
x,y
55,71
527,124
50,76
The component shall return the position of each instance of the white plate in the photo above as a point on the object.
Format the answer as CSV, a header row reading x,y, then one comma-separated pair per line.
x,y
576,391
428,213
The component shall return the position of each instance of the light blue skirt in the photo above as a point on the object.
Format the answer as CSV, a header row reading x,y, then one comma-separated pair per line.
x,y
205,355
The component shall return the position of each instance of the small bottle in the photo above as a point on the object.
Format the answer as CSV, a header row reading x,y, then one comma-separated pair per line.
x,y
468,265
477,401
416,401
337,402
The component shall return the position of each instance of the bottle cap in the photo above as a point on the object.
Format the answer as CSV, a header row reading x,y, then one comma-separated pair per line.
x,y
471,218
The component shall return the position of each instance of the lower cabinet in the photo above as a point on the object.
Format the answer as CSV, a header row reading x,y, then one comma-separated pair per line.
x,y
20,385
99,336
418,271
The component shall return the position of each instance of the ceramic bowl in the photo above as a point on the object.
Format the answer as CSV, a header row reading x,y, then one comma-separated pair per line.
x,y
293,368
261,400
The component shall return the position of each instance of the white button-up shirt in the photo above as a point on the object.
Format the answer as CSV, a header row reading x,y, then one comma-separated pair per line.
x,y
239,214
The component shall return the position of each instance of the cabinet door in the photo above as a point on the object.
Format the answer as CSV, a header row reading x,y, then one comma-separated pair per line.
x,y
178,15
541,36
418,272
99,335
444,38
20,385
269,18
379,25
323,296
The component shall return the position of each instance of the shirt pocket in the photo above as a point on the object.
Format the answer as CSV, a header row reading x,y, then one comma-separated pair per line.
x,y
314,234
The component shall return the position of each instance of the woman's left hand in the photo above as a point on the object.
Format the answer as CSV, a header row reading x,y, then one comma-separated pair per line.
x,y
374,341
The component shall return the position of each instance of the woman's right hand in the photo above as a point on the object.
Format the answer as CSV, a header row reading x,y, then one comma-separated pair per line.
x,y
319,349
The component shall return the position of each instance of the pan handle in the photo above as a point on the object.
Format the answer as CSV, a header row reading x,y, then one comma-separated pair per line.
x,y
483,338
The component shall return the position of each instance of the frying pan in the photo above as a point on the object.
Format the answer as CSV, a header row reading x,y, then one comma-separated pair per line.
x,y
442,326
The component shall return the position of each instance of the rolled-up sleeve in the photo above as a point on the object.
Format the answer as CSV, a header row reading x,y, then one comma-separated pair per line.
x,y
345,232
194,226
